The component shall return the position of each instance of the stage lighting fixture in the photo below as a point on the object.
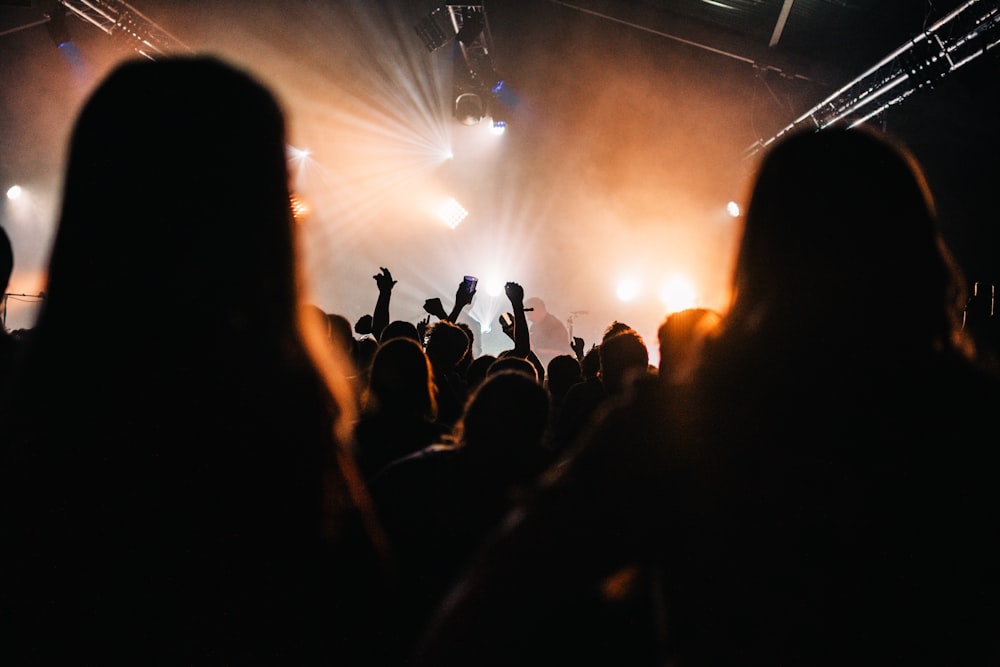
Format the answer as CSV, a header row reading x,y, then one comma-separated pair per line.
x,y
476,86
497,111
300,208
468,108
452,213
435,29
56,26
473,21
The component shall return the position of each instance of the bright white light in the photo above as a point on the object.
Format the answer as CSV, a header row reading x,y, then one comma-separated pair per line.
x,y
494,287
298,154
300,208
13,192
677,294
733,209
498,127
628,289
452,213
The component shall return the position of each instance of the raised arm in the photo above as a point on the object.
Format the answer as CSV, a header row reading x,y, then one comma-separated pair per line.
x,y
522,337
463,297
380,318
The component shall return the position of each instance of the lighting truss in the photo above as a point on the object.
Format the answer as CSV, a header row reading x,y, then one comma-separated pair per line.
x,y
122,20
973,29
448,21
476,83
472,30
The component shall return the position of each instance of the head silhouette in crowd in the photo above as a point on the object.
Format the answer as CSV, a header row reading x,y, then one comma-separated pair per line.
x,y
192,447
841,235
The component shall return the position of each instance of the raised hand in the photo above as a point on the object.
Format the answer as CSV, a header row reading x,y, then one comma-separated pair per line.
x,y
422,327
463,295
364,325
507,324
434,307
384,280
515,293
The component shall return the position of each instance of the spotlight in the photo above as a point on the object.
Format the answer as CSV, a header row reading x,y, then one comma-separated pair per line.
x,y
476,85
498,112
300,209
452,213
468,108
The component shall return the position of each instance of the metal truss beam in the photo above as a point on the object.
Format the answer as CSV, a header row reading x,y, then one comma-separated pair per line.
x,y
122,20
972,30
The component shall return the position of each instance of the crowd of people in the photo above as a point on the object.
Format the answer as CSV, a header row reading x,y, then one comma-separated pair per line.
x,y
804,479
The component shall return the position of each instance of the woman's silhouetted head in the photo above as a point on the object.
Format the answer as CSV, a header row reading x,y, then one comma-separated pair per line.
x,y
177,194
841,230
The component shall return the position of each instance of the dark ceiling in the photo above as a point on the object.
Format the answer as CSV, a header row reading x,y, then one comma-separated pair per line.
x,y
803,37
799,34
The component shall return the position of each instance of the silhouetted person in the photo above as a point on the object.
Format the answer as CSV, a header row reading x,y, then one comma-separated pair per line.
x,y
360,350
9,343
823,490
399,411
563,372
514,325
447,345
401,329
380,316
590,363
182,492
510,363
623,359
463,365
477,370
549,336
439,504
680,337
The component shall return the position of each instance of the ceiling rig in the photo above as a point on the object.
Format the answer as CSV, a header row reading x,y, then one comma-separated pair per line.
x,y
125,22
972,30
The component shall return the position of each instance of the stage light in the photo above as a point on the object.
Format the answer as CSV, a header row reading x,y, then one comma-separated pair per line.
x,y
298,154
733,209
494,287
628,289
56,26
475,82
14,192
300,209
468,108
678,293
452,213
